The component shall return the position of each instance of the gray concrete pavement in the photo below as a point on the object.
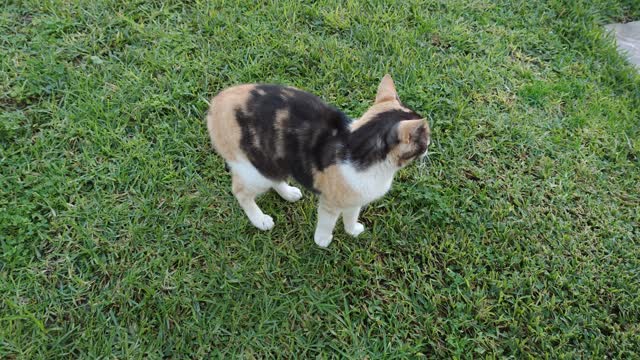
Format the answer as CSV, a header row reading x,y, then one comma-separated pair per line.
x,y
628,40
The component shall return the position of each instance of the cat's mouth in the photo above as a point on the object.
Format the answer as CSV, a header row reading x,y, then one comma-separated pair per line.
x,y
426,150
422,157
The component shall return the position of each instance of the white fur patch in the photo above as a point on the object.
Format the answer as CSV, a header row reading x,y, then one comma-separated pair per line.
x,y
371,183
426,151
250,175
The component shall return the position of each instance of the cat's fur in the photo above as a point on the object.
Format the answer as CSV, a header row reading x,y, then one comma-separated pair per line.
x,y
268,133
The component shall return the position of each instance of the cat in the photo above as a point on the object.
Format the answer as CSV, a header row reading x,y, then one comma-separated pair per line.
x,y
270,133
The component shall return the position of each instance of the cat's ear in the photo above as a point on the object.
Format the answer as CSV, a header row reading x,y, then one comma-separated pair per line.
x,y
412,130
386,90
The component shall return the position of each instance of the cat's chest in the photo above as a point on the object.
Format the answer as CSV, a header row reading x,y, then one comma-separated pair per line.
x,y
369,184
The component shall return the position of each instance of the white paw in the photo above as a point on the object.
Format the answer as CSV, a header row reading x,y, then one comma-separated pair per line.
x,y
322,240
291,194
262,222
356,230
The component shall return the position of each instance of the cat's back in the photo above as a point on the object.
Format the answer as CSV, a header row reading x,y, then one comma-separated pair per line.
x,y
263,102
281,130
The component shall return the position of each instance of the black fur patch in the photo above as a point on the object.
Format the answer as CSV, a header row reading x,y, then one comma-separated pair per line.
x,y
313,135
371,142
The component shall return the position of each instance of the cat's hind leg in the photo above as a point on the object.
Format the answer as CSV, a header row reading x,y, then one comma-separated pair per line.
x,y
350,221
247,184
289,193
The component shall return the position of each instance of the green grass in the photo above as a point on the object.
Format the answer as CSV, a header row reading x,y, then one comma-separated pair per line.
x,y
120,238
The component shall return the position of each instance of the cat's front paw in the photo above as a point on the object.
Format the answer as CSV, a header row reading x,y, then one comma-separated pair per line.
x,y
355,230
322,240
263,222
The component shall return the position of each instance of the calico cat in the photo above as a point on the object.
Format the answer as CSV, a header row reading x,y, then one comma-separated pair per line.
x,y
269,133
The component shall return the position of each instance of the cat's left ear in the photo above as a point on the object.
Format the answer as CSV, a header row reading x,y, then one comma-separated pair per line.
x,y
412,130
386,90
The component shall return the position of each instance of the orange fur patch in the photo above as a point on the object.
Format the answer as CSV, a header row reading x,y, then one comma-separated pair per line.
x,y
280,124
334,188
224,129
407,127
287,91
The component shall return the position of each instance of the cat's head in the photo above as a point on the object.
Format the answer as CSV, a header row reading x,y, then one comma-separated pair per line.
x,y
388,131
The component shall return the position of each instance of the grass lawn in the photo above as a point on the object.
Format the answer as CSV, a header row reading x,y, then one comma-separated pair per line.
x,y
120,238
